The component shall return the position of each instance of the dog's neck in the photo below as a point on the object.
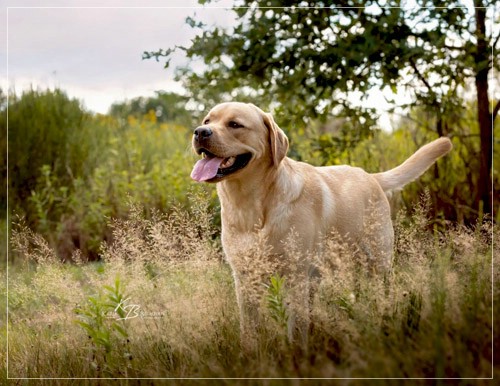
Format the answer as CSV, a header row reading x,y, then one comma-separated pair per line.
x,y
244,197
256,196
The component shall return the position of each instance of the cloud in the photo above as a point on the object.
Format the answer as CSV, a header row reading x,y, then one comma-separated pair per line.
x,y
96,53
93,49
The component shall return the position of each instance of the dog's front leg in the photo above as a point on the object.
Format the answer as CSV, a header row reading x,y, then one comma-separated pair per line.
x,y
248,306
299,302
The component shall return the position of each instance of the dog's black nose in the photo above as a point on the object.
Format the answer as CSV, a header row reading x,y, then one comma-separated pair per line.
x,y
202,132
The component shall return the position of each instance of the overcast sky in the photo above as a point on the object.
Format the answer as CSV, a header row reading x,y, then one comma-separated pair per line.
x,y
93,49
95,53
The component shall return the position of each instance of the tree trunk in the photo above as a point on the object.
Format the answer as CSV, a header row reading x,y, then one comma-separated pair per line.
x,y
481,58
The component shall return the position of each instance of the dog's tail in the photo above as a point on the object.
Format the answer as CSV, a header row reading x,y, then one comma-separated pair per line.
x,y
414,166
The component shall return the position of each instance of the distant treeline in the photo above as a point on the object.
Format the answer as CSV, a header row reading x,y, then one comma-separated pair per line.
x,y
69,171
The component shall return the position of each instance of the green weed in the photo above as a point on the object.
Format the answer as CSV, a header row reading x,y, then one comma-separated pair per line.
x,y
102,317
275,300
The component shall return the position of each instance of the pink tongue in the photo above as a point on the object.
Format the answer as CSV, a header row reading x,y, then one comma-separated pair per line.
x,y
206,168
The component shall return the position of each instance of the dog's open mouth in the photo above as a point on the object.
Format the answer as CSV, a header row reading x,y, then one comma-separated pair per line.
x,y
211,167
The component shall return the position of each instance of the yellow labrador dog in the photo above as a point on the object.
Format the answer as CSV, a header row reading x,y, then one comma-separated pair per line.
x,y
265,195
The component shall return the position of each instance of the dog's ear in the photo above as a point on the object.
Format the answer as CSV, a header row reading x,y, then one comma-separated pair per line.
x,y
277,139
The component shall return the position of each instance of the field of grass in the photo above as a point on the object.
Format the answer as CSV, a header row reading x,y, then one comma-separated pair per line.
x,y
161,304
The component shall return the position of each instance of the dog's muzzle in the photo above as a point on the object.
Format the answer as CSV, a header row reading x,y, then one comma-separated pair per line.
x,y
202,133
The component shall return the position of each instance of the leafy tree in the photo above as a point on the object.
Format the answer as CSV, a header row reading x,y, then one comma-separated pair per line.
x,y
312,58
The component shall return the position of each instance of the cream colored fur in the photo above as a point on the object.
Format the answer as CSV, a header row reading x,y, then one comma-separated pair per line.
x,y
274,196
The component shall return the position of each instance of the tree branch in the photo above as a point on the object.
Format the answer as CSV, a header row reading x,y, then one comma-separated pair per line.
x,y
421,77
424,81
494,114
453,47
496,41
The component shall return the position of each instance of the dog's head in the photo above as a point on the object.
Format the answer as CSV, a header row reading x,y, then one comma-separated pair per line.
x,y
234,139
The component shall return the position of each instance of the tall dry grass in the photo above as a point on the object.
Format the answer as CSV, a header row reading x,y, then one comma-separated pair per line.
x,y
161,304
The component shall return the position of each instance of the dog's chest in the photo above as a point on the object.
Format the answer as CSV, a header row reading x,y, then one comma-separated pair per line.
x,y
245,229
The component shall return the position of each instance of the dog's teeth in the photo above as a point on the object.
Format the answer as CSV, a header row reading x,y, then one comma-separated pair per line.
x,y
228,162
203,155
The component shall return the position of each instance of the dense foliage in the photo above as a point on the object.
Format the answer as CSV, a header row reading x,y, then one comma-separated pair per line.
x,y
69,171
317,60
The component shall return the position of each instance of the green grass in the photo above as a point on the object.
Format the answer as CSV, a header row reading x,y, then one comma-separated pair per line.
x,y
431,318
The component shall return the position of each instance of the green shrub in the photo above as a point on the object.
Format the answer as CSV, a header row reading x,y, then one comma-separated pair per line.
x,y
45,128
69,171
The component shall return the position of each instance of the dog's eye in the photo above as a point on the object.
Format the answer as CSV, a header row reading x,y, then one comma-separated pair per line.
x,y
234,125
205,122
